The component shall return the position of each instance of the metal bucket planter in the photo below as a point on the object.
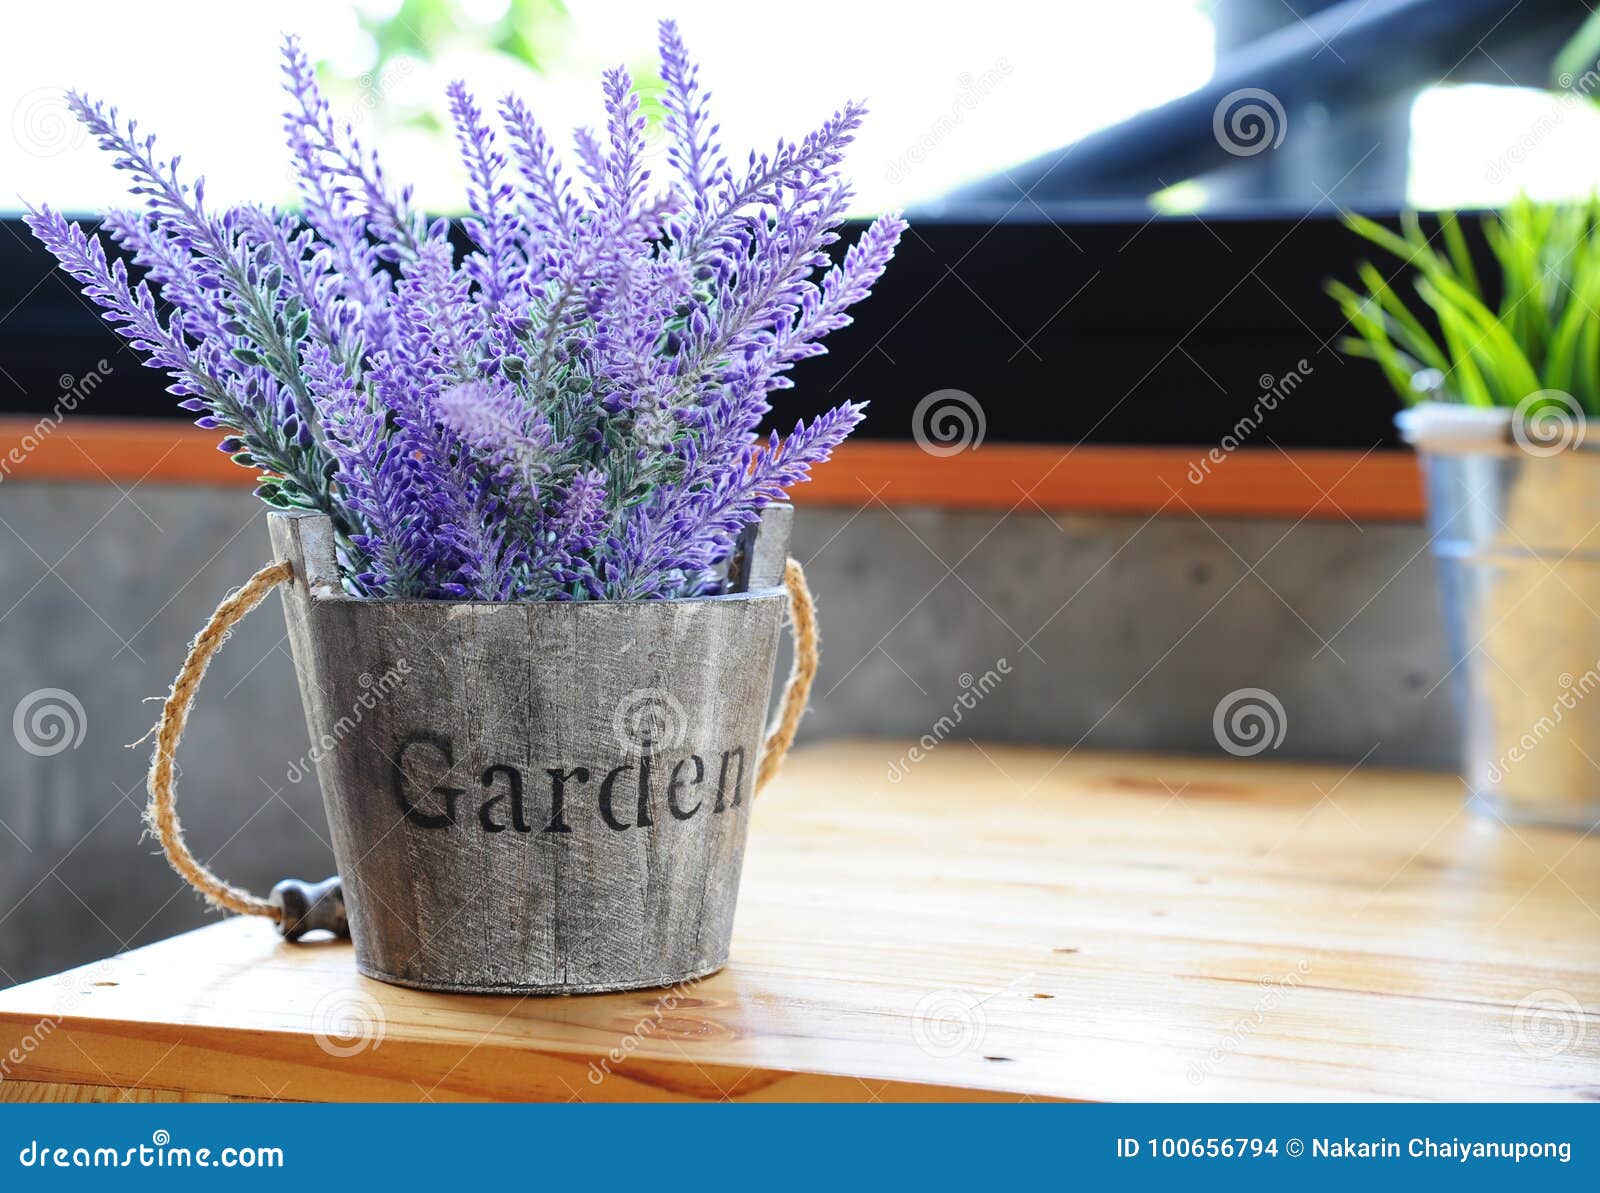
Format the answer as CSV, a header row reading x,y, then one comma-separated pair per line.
x,y
1514,514
529,797
536,797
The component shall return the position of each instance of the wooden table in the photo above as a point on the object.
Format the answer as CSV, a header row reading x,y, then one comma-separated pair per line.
x,y
1003,923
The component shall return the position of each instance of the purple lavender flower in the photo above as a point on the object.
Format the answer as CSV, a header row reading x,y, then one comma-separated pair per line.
x,y
569,412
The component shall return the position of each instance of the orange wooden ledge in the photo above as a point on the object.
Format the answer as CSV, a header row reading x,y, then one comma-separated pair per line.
x,y
1261,482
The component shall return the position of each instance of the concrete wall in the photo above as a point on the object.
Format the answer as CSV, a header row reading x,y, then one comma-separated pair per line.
x,y
1115,633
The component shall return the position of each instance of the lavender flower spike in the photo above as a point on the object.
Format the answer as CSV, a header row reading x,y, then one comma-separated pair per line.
x,y
573,409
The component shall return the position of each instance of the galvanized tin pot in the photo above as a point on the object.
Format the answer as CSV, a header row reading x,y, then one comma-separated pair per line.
x,y
536,797
1514,512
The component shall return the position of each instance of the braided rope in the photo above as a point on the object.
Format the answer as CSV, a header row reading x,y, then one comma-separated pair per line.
x,y
802,671
162,812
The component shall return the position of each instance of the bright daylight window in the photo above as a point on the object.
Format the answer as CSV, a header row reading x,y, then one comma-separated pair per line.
x,y
945,109
1025,80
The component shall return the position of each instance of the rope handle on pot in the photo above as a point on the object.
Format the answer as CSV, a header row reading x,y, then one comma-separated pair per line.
x,y
299,907
162,813
802,671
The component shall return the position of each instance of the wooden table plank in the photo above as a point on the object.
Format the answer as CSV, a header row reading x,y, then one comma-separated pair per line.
x,y
1003,923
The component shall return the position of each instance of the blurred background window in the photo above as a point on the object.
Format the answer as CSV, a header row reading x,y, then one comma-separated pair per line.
x,y
1123,215
957,92
966,99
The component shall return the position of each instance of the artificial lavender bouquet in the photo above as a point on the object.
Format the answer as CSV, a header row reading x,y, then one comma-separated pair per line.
x,y
569,412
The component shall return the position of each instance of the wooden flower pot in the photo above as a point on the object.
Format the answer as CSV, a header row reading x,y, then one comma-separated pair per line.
x,y
536,797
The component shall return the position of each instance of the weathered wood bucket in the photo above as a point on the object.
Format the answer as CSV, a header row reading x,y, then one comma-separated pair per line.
x,y
544,797
528,797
